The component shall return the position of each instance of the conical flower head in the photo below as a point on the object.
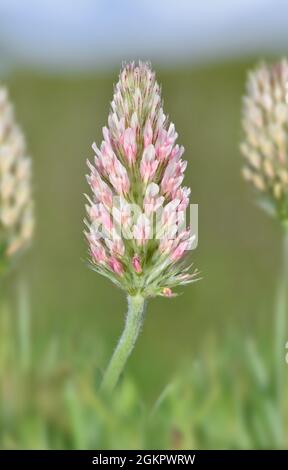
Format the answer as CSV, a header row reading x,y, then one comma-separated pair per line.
x,y
265,123
136,216
16,208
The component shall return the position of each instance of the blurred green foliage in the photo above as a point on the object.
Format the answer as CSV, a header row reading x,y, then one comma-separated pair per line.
x,y
226,399
220,390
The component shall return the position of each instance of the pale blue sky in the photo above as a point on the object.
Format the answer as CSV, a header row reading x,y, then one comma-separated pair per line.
x,y
75,34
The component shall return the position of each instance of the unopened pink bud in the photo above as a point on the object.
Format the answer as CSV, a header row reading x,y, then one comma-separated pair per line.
x,y
148,133
173,176
129,144
119,178
167,292
106,135
165,142
180,250
148,164
98,252
136,262
116,266
183,195
101,190
177,152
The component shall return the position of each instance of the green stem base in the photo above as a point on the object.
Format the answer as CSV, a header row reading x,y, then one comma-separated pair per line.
x,y
133,324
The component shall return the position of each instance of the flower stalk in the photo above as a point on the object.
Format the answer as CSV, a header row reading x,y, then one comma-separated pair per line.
x,y
133,325
281,313
265,150
136,215
16,225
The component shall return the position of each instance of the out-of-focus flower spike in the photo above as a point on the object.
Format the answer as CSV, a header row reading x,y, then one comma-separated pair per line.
x,y
265,124
16,205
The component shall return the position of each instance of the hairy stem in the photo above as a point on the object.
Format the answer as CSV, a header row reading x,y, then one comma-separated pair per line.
x,y
133,324
280,328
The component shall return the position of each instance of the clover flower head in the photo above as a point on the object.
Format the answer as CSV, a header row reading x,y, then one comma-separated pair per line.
x,y
136,214
16,207
265,124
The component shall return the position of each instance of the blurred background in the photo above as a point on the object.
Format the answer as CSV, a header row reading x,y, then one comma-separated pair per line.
x,y
60,60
